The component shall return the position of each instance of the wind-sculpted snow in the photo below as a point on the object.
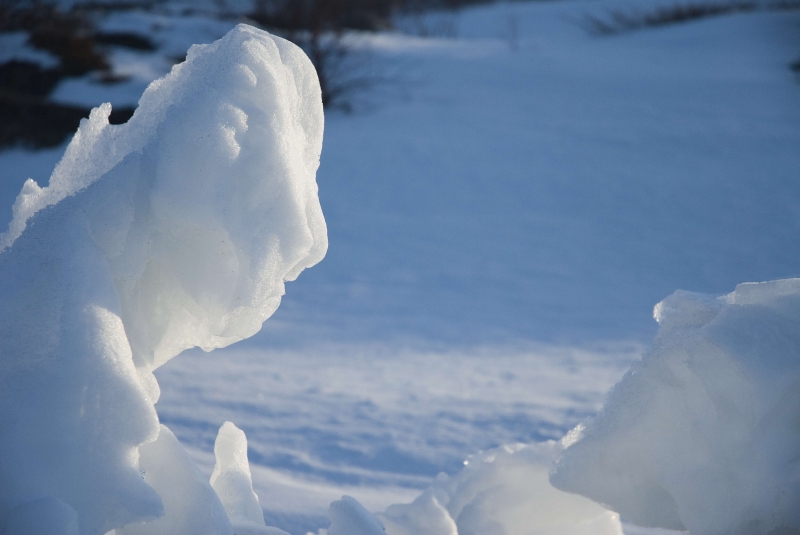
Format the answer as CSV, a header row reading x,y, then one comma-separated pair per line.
x,y
177,229
704,433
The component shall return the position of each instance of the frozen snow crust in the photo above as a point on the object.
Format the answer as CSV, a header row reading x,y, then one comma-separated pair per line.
x,y
177,229
703,434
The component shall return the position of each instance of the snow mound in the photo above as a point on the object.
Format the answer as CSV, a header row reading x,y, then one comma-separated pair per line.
x,y
177,229
349,517
704,433
503,492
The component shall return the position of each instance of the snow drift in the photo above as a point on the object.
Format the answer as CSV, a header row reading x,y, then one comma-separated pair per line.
x,y
177,229
704,433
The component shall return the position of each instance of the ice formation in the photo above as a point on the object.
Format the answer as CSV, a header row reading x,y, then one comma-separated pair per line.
x,y
349,517
233,484
190,503
704,433
505,491
174,230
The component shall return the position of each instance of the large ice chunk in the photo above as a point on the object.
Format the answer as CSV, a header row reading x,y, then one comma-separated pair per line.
x,y
174,230
704,433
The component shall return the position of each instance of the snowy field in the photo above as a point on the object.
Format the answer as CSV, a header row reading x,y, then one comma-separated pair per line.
x,y
504,210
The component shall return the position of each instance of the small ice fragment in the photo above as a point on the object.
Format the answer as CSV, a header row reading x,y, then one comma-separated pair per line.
x,y
232,481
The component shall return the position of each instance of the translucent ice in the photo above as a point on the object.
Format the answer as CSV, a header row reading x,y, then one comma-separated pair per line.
x,y
233,484
174,230
190,504
503,492
704,433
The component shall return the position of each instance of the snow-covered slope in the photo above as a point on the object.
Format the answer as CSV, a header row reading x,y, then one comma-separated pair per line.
x,y
558,191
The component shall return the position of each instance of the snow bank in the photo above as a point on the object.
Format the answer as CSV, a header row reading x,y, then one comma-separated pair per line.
x,y
174,230
503,492
704,433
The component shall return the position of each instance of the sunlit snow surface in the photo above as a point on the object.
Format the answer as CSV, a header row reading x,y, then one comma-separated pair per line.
x,y
359,420
502,200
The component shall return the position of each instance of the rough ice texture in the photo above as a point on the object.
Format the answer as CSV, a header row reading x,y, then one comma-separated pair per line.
x,y
704,433
190,504
505,491
233,483
174,230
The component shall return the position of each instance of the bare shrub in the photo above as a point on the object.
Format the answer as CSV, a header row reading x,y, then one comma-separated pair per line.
x,y
27,116
324,30
324,15
615,22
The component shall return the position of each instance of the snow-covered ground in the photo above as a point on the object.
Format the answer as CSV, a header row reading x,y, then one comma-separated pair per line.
x,y
503,210
372,421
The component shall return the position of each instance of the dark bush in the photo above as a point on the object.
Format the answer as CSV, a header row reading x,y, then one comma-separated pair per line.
x,y
66,35
133,41
27,117
614,22
325,15
368,15
319,28
30,79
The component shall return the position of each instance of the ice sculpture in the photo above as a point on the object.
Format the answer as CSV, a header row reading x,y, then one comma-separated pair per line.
x,y
174,230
